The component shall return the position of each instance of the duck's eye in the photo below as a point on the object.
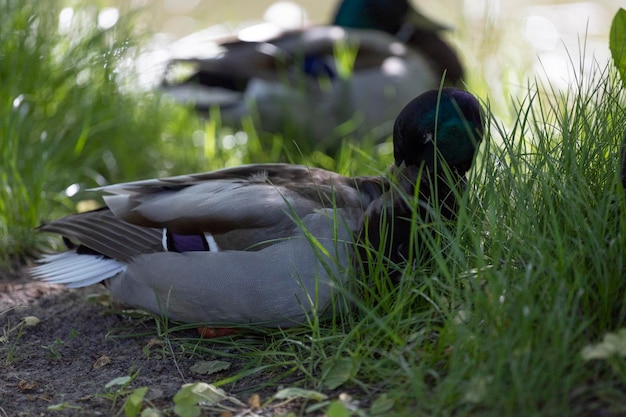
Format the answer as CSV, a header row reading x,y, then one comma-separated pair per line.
x,y
428,137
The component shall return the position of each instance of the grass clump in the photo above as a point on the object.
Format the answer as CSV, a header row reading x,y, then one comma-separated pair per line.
x,y
529,278
66,118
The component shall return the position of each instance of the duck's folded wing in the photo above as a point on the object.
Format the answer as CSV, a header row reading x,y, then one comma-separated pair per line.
x,y
100,246
101,232
251,197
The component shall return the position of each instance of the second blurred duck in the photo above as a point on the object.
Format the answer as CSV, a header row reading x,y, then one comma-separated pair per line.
x,y
323,83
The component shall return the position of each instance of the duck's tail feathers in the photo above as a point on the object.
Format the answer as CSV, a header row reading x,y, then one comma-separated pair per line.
x,y
75,270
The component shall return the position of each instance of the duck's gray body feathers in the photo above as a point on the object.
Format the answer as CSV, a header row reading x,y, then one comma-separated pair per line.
x,y
311,216
267,244
271,286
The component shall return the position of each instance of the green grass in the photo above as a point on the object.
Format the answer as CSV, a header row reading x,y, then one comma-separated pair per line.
x,y
532,273
66,119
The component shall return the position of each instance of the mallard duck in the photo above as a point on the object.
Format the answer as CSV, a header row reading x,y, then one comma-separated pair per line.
x,y
408,25
292,84
269,243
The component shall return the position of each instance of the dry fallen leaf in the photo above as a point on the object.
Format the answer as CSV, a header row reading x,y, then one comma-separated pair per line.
x,y
26,385
155,342
103,360
254,401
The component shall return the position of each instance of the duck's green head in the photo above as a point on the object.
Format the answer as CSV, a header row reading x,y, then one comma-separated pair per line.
x,y
439,125
386,15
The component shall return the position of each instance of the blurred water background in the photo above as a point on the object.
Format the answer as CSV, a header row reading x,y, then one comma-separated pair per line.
x,y
515,40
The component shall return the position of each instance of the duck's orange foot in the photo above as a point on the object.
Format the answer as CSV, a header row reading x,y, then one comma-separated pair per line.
x,y
211,332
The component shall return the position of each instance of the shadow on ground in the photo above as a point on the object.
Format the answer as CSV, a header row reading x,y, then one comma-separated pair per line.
x,y
66,359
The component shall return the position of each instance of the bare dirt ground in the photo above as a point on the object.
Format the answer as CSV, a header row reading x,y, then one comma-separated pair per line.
x,y
66,359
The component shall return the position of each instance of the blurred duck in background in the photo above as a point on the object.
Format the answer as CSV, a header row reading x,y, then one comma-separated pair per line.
x,y
319,83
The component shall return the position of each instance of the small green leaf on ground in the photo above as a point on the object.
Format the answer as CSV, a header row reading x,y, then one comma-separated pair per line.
x,y
617,42
151,412
199,391
382,405
209,367
190,395
31,321
291,393
187,410
339,371
134,402
337,409
122,380
63,406
613,344
73,334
